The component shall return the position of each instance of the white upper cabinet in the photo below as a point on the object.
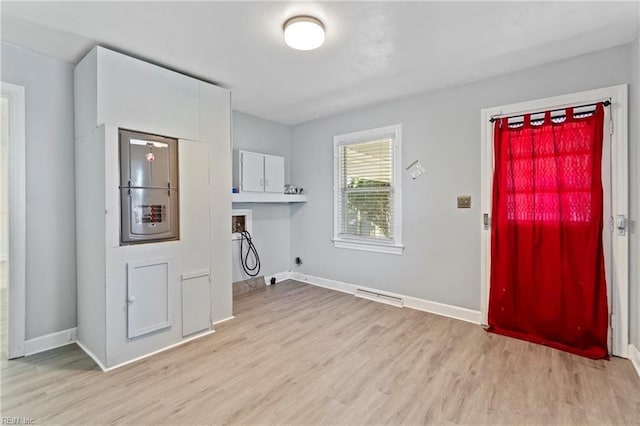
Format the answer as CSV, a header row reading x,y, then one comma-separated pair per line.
x,y
113,88
273,174
252,172
261,172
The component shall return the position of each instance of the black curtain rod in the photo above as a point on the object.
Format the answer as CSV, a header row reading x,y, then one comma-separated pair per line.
x,y
604,103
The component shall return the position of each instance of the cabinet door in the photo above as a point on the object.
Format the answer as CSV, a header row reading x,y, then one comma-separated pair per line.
x,y
273,174
196,302
252,172
148,296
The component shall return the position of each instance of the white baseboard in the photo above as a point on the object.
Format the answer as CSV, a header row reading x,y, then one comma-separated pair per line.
x,y
122,364
50,341
92,356
437,308
634,356
280,276
222,320
456,312
323,282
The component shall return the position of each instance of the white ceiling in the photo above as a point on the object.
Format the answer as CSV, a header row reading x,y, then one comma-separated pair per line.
x,y
374,51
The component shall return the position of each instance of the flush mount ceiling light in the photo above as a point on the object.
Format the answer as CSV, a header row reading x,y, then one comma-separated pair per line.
x,y
304,33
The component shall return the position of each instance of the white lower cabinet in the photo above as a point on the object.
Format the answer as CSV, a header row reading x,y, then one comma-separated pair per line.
x,y
195,304
148,297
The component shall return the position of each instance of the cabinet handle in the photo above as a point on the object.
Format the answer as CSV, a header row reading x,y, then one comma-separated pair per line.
x,y
261,182
130,300
266,182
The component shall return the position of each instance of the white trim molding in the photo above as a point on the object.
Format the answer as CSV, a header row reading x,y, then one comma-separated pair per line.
x,y
443,309
634,356
364,246
17,218
196,274
437,308
92,356
50,341
391,245
280,276
131,361
248,222
617,113
222,320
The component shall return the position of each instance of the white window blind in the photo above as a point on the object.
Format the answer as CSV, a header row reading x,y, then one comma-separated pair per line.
x,y
366,190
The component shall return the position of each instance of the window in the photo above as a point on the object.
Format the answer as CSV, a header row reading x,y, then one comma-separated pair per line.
x,y
549,165
367,196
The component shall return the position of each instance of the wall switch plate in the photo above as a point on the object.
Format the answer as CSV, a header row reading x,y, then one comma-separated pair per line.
x,y
464,201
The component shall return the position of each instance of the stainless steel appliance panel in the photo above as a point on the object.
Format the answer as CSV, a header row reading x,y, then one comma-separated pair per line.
x,y
148,214
148,188
149,164
148,161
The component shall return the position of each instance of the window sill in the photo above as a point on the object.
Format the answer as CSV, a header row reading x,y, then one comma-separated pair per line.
x,y
367,246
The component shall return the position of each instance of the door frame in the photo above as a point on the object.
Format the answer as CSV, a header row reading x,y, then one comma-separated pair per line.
x,y
619,320
17,218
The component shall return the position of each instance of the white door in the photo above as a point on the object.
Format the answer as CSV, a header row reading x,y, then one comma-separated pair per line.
x,y
13,169
252,172
614,181
273,174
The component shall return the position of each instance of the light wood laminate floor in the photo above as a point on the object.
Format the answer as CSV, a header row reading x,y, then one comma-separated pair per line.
x,y
298,354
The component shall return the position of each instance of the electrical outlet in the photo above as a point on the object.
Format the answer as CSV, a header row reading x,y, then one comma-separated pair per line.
x,y
464,201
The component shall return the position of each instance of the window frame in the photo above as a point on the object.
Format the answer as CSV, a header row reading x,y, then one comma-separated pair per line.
x,y
394,246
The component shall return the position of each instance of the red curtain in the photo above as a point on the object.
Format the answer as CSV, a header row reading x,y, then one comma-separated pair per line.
x,y
547,261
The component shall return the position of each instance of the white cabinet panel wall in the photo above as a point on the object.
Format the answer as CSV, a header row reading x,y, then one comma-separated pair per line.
x,y
138,95
194,224
121,348
215,128
193,160
90,239
137,308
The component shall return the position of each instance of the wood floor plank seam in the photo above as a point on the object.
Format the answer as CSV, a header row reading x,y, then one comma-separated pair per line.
x,y
301,354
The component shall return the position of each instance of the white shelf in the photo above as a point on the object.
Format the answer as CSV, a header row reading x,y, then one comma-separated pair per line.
x,y
264,197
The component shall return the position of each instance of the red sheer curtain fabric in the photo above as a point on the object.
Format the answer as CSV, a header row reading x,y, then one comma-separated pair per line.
x,y
547,261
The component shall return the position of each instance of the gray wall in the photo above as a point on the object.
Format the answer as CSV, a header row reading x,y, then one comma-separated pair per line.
x,y
441,129
634,199
51,267
271,230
